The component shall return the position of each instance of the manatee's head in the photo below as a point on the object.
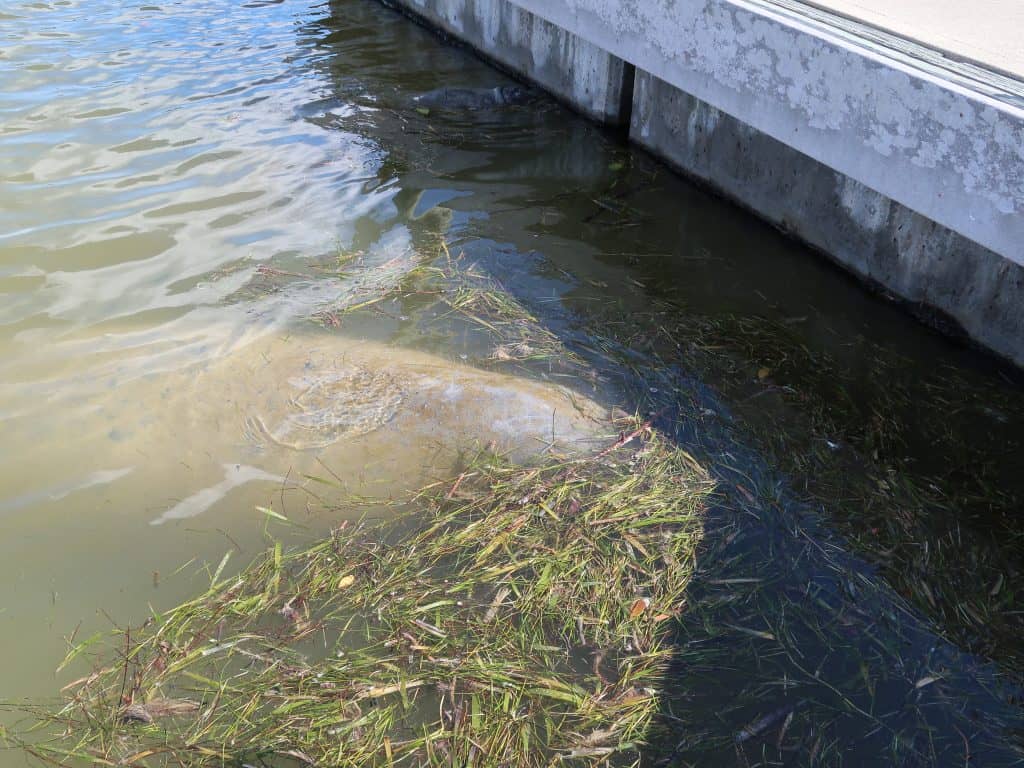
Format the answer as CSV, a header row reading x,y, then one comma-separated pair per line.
x,y
514,94
324,405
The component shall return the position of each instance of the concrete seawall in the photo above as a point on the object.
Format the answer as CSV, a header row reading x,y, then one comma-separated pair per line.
x,y
906,172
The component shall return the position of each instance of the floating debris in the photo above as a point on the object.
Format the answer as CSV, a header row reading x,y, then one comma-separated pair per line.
x,y
156,709
463,638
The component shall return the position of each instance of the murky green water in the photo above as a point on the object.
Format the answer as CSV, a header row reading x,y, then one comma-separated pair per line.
x,y
184,184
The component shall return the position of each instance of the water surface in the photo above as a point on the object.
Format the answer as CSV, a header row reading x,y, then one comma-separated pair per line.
x,y
182,181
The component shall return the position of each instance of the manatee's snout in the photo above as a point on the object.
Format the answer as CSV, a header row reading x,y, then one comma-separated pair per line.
x,y
513,94
475,98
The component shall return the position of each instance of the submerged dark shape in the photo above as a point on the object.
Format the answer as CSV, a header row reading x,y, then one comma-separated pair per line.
x,y
323,107
476,98
773,718
440,98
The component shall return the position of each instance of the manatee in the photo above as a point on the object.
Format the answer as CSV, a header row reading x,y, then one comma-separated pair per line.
x,y
440,98
332,105
378,419
476,98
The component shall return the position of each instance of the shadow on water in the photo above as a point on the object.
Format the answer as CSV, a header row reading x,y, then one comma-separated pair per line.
x,y
856,600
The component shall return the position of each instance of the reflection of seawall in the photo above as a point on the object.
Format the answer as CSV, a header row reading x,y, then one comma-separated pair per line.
x,y
906,173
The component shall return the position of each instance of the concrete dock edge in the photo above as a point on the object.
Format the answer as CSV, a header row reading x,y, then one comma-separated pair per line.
x,y
912,182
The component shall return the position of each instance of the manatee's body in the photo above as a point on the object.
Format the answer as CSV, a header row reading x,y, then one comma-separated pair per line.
x,y
374,420
440,98
332,105
475,98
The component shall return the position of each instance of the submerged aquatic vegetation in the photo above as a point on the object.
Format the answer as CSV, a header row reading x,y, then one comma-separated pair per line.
x,y
456,298
519,618
924,500
517,334
789,623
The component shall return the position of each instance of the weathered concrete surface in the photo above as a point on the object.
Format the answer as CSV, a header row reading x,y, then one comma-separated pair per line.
x,y
572,69
951,155
944,275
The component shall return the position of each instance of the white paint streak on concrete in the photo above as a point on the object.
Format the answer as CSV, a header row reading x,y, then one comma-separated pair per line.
x,y
488,16
866,207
